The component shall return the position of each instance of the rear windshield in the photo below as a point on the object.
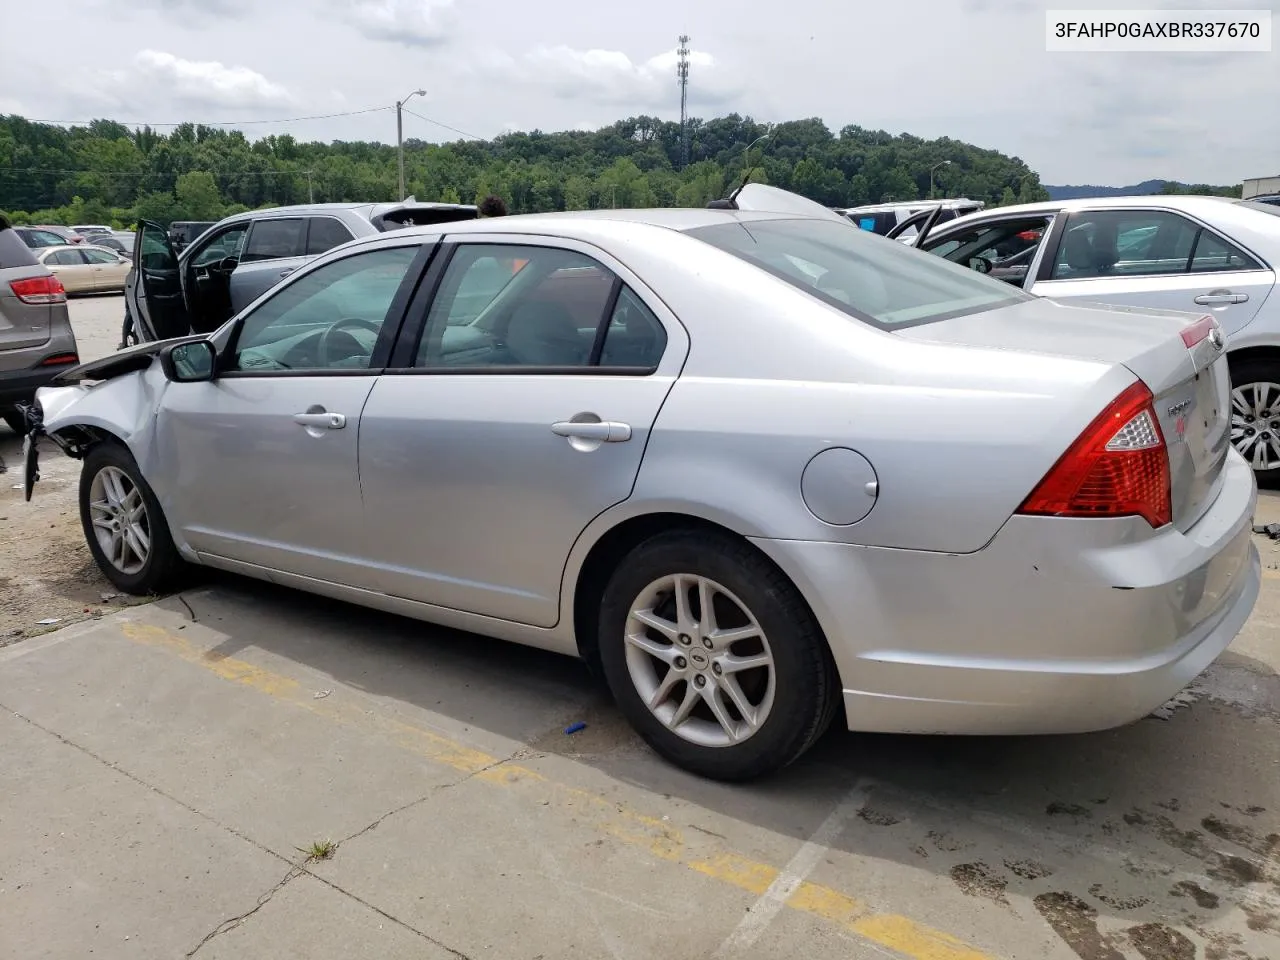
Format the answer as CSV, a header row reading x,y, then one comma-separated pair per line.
x,y
882,282
1270,205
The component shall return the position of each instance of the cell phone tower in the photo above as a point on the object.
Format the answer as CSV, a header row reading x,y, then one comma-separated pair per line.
x,y
682,72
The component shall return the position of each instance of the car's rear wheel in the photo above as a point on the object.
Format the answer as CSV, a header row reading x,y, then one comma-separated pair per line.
x,y
714,657
124,525
1255,416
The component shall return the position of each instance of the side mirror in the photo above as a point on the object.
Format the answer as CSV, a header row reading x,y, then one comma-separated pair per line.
x,y
192,362
228,264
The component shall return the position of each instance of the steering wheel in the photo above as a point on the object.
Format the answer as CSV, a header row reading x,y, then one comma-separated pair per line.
x,y
980,264
325,346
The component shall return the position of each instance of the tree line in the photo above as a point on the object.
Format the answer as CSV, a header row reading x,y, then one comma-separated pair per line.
x,y
106,172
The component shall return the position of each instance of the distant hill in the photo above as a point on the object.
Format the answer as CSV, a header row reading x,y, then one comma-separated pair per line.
x,y
1145,188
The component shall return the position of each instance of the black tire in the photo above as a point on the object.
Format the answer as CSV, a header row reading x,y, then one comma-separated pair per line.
x,y
14,420
806,687
1243,374
164,568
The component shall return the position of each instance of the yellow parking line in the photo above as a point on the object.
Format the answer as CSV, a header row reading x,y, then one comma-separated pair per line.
x,y
663,841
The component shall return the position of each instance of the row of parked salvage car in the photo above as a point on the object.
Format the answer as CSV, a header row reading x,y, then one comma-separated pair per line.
x,y
760,468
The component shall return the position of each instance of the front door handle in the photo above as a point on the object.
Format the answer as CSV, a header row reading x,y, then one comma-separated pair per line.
x,y
324,421
285,273
606,431
1221,296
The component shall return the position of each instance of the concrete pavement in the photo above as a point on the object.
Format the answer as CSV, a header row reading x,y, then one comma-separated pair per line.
x,y
168,767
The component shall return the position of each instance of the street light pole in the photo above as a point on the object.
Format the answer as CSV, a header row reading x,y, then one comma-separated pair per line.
x,y
400,134
940,163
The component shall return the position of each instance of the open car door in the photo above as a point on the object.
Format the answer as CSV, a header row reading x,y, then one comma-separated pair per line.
x,y
155,296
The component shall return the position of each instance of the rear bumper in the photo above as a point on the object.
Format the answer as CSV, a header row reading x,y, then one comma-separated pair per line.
x,y
20,386
1057,626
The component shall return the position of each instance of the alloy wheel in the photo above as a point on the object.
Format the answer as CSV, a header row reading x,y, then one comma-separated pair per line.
x,y
1255,423
699,660
120,521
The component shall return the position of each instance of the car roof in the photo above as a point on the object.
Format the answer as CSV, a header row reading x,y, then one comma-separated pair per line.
x,y
580,222
1170,201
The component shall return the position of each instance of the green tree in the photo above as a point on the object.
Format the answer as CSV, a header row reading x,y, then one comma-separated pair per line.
x,y
197,195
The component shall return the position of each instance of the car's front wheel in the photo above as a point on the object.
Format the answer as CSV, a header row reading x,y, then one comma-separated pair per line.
x,y
124,525
1255,416
714,657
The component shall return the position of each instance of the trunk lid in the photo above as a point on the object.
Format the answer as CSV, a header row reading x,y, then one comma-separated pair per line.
x,y
1190,384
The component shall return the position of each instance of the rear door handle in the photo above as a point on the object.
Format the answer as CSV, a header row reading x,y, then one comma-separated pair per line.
x,y
607,431
1221,296
325,421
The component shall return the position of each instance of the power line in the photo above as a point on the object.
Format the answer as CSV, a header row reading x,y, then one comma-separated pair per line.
x,y
151,173
464,133
212,123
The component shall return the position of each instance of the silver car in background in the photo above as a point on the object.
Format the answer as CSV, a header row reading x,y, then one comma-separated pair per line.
x,y
1209,254
198,287
763,469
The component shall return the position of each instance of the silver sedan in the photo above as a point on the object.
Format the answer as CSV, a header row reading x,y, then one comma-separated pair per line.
x,y
762,469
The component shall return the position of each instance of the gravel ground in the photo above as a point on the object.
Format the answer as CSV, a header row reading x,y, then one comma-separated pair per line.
x,y
46,571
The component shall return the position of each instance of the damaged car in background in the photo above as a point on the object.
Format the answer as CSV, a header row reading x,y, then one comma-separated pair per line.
x,y
686,446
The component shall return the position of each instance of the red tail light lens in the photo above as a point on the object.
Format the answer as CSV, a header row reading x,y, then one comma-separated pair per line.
x,y
1119,467
59,359
39,290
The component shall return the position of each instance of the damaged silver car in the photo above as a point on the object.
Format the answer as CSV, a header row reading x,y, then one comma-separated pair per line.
x,y
760,467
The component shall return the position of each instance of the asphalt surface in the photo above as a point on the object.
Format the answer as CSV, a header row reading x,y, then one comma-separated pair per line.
x,y
170,769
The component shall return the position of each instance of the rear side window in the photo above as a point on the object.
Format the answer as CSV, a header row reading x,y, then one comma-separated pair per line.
x,y
14,251
1102,244
66,258
274,240
881,282
325,233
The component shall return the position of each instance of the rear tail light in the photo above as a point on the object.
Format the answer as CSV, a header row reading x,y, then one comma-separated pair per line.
x,y
39,290
59,359
1198,331
1118,467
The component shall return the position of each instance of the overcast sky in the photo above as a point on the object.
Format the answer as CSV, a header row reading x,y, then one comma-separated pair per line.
x,y
975,70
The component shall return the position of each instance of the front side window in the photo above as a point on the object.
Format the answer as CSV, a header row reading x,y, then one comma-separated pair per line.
x,y
324,234
329,319
42,238
1002,248
156,253
275,240
504,306
225,245
1124,243
881,282
99,256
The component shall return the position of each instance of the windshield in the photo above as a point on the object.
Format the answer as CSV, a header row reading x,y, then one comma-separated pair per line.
x,y
882,282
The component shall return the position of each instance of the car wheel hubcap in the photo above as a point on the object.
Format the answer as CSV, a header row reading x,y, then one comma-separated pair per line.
x,y
120,520
1253,407
699,660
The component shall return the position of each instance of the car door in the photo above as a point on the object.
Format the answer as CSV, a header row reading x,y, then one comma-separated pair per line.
x,y
1004,247
107,270
154,296
275,248
260,463
507,426
1154,258
70,268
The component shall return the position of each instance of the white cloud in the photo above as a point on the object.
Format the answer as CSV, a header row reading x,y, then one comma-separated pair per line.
x,y
611,78
415,23
202,82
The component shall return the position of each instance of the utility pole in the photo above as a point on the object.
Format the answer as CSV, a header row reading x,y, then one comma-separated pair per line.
x,y
311,193
682,74
400,134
